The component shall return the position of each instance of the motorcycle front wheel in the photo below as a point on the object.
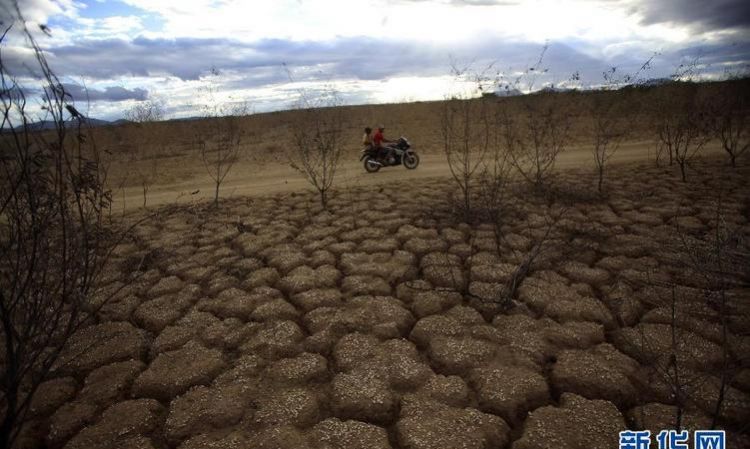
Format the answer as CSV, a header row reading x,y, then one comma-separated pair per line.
x,y
411,160
371,166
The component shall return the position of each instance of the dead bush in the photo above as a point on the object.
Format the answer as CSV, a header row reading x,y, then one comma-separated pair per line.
x,y
54,239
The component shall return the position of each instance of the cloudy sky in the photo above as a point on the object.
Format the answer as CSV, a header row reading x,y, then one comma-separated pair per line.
x,y
371,51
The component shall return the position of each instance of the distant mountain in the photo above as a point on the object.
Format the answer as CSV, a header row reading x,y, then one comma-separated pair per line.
x,y
657,82
653,82
42,125
187,119
70,124
507,92
556,89
513,92
97,122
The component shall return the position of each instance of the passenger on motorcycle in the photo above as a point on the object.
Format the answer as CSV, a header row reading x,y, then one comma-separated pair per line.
x,y
378,139
367,139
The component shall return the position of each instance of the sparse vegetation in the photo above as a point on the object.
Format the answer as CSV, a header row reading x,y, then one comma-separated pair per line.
x,y
54,242
731,124
536,137
610,129
466,133
220,149
142,113
683,118
539,130
317,140
151,110
612,116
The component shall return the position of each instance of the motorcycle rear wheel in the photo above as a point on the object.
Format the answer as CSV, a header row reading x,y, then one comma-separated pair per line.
x,y
371,166
411,160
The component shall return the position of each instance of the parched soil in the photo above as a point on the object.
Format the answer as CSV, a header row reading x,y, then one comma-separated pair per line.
x,y
271,323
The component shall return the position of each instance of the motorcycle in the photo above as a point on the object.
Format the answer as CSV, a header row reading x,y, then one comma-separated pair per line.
x,y
400,153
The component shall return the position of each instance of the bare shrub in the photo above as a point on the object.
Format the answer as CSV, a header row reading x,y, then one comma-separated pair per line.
x,y
218,138
471,134
539,245
682,117
465,130
609,131
612,116
219,143
537,128
485,140
495,176
684,129
317,140
537,136
731,122
151,110
54,243
681,123
144,114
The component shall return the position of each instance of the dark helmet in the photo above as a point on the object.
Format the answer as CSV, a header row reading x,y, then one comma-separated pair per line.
x,y
368,130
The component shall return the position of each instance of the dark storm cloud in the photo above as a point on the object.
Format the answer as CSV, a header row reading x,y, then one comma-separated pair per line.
x,y
112,94
185,58
710,14
84,94
706,14
188,59
715,14
260,63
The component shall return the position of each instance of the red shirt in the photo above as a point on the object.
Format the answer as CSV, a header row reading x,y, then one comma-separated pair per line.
x,y
378,138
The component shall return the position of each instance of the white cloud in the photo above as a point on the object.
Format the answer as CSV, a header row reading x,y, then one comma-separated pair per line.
x,y
40,11
122,27
416,20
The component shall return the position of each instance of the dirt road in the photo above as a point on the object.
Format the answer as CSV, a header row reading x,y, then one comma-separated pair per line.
x,y
248,179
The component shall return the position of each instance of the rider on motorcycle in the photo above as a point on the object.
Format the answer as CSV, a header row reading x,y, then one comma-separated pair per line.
x,y
384,152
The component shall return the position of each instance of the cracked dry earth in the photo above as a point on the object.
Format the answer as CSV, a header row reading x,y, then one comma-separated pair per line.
x,y
302,328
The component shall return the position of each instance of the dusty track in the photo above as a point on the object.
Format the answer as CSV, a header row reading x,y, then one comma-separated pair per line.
x,y
248,179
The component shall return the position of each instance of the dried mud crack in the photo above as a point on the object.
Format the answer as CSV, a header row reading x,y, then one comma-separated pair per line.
x,y
357,327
